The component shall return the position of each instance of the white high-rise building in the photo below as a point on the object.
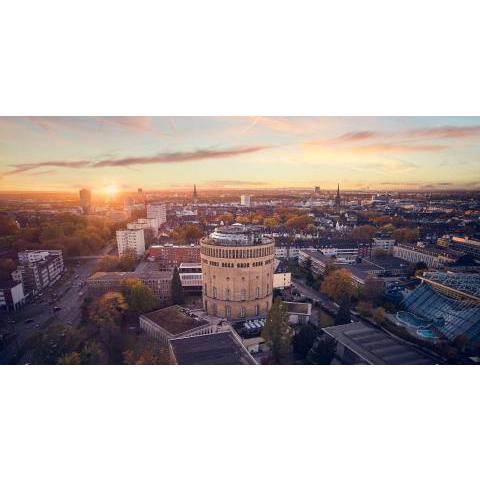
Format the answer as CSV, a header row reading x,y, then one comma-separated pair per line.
x,y
158,211
245,200
151,223
133,240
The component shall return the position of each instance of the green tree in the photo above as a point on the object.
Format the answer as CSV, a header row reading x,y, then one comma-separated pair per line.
x,y
322,351
178,297
304,340
138,296
277,333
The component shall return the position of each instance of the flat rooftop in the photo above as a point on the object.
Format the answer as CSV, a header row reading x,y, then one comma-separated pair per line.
x,y
214,349
174,319
377,347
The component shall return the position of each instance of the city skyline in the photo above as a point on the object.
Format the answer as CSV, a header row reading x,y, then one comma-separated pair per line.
x,y
110,154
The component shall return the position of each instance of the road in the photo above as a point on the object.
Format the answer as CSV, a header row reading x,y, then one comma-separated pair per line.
x,y
38,316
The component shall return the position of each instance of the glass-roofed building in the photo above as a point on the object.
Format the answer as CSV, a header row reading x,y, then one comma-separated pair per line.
x,y
450,302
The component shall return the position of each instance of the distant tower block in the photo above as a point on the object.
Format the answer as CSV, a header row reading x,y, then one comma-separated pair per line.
x,y
195,198
317,190
85,200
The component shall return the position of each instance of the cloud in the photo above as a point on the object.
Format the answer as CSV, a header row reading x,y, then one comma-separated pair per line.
x,y
175,157
179,157
133,123
26,167
444,132
230,183
397,148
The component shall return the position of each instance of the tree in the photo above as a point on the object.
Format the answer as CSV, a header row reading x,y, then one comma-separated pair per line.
x,y
8,226
72,358
108,264
7,266
184,234
406,235
178,297
379,315
343,315
127,262
307,265
304,340
93,354
365,309
108,310
226,218
322,351
270,222
372,291
277,332
338,285
138,296
364,232
299,222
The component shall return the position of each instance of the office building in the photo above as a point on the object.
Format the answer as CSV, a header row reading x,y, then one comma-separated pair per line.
x,y
237,265
432,257
131,240
158,211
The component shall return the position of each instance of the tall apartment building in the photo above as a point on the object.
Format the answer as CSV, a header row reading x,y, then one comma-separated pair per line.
x,y
158,211
133,240
145,223
38,269
85,200
246,200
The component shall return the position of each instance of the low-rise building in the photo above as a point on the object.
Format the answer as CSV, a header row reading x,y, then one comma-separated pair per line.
x,y
431,256
298,313
191,277
222,348
282,277
173,255
160,282
173,322
361,343
11,295
383,243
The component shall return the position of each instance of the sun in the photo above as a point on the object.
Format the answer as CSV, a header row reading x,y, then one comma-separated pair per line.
x,y
111,190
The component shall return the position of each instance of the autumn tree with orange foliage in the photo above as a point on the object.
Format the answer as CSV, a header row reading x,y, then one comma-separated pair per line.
x,y
338,285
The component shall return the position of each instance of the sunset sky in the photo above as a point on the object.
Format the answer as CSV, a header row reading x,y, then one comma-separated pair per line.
x,y
65,153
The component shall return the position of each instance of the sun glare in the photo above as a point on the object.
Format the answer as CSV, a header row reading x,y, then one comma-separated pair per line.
x,y
111,190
